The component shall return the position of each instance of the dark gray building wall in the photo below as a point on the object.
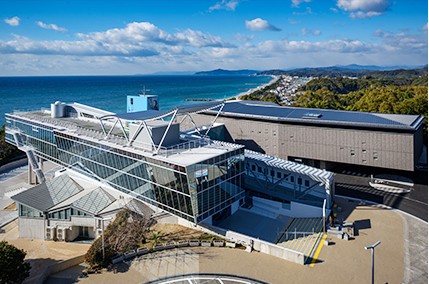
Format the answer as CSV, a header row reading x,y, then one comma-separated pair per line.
x,y
372,147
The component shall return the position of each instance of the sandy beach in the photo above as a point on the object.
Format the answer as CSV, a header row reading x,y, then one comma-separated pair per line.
x,y
275,78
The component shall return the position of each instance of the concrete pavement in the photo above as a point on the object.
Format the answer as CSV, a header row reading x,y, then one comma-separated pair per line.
x,y
400,258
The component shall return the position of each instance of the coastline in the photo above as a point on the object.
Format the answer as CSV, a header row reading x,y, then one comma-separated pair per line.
x,y
237,97
275,78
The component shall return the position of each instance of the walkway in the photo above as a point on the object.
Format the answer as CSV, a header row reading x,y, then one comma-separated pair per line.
x,y
346,261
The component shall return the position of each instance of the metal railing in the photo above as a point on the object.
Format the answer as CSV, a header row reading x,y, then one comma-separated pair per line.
x,y
192,143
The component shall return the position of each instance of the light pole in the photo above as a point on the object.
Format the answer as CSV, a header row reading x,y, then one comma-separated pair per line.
x,y
102,230
372,258
324,216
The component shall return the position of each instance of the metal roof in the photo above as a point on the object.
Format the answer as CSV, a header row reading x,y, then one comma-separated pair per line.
x,y
155,114
89,109
48,194
252,110
315,174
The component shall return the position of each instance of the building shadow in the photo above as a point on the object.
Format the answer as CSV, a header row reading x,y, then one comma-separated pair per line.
x,y
361,225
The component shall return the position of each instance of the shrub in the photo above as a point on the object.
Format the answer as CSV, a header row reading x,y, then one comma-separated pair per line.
x,y
13,269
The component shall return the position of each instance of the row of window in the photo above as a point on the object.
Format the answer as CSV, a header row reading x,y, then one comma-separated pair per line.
x,y
279,175
65,214
25,211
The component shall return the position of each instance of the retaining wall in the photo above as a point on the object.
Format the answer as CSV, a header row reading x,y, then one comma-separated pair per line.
x,y
14,164
59,266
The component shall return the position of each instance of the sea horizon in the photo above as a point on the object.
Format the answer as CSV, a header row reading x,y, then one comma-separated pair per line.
x,y
108,92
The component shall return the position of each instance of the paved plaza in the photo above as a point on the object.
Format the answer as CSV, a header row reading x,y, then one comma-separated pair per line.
x,y
400,258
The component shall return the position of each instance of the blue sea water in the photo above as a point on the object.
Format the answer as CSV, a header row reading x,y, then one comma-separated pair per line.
x,y
109,92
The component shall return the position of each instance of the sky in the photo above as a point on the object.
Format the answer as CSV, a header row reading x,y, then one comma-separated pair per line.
x,y
49,38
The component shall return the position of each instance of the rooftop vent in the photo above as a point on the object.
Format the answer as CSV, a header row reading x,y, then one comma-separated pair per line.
x,y
311,115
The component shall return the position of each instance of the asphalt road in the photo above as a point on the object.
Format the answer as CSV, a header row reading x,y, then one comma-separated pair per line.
x,y
414,202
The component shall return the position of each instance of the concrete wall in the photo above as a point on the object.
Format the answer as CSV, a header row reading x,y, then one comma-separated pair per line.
x,y
14,164
268,248
296,209
60,266
31,228
375,148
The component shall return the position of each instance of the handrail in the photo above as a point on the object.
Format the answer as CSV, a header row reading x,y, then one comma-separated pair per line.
x,y
191,143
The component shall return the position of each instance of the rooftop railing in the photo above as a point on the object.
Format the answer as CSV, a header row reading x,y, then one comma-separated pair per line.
x,y
188,144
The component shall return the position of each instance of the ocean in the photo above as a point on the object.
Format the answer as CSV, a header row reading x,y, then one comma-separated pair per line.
x,y
110,92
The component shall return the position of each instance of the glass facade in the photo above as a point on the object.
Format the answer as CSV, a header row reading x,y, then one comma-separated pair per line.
x,y
216,183
28,212
39,136
66,214
194,192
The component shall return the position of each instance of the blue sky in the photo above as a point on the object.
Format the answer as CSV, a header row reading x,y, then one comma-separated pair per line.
x,y
130,37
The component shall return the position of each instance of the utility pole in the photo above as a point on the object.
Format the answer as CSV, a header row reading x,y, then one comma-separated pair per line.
x,y
372,258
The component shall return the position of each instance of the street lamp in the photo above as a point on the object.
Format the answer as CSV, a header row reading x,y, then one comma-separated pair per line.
x,y
372,258
102,230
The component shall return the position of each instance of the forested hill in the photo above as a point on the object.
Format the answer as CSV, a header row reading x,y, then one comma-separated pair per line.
x,y
340,85
341,71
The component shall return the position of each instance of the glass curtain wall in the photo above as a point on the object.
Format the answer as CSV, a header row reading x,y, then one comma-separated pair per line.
x,y
216,183
39,136
159,183
213,184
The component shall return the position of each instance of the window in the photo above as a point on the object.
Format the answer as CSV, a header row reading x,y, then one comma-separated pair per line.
x,y
272,173
279,175
375,158
363,151
307,183
291,137
259,169
364,161
299,181
292,179
253,167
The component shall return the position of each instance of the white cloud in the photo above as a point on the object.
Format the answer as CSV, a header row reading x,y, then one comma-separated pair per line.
x,y
143,47
136,40
364,9
295,3
363,15
243,38
306,31
225,5
292,22
334,10
136,33
305,13
12,21
402,41
424,29
261,25
51,27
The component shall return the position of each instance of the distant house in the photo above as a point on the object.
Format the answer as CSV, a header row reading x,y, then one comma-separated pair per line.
x,y
64,208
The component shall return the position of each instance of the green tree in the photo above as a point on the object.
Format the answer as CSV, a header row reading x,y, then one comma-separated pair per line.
x,y
13,269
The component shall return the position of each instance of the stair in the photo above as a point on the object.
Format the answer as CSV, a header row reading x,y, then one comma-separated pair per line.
x,y
30,155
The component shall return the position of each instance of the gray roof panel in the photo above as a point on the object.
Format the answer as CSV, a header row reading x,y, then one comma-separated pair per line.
x,y
48,194
321,116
